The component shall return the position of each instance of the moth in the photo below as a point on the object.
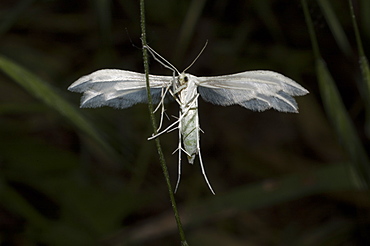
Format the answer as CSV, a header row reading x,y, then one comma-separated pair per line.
x,y
255,90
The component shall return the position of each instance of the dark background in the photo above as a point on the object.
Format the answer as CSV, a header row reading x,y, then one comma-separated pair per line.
x,y
280,179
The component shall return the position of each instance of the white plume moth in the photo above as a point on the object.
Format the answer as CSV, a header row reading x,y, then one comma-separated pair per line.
x,y
256,90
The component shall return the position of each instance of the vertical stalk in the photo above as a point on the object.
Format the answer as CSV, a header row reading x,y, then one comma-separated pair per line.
x,y
365,70
338,114
154,125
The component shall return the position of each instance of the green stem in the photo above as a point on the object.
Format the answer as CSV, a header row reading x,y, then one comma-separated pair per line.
x,y
365,70
357,32
154,125
315,45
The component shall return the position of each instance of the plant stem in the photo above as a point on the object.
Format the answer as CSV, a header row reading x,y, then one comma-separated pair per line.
x,y
154,125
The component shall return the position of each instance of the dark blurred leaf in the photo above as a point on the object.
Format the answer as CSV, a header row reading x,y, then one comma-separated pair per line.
x,y
335,26
337,112
13,14
258,195
365,70
44,92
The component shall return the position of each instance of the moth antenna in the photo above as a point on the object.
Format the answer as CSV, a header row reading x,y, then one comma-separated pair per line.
x,y
196,58
129,37
161,60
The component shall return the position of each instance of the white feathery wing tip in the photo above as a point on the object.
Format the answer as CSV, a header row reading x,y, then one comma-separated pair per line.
x,y
117,88
256,90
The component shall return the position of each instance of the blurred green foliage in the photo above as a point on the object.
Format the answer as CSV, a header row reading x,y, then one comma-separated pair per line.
x,y
71,176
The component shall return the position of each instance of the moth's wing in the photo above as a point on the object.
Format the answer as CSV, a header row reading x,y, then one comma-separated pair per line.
x,y
255,90
118,88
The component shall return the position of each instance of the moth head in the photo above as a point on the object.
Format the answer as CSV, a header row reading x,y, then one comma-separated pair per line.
x,y
183,78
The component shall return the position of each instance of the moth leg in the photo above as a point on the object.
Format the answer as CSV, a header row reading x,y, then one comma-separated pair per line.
x,y
178,89
204,172
201,163
161,104
175,97
174,123
191,101
179,148
163,95
165,130
161,118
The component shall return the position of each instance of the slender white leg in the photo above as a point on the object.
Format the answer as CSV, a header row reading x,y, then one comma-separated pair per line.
x,y
179,148
161,105
161,119
175,97
204,172
165,130
174,123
